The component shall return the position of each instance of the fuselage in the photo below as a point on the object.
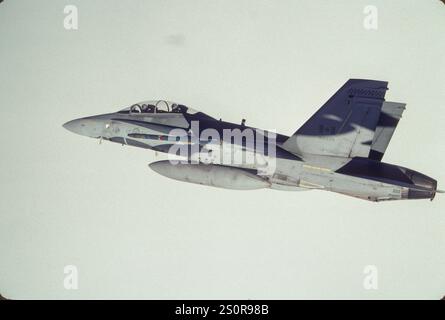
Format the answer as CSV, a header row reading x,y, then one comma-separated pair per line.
x,y
237,156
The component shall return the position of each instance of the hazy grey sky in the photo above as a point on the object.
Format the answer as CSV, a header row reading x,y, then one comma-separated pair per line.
x,y
66,200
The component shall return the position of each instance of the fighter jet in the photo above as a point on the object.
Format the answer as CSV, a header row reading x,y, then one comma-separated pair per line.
x,y
339,149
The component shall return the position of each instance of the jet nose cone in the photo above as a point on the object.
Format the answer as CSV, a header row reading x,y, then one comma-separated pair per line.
x,y
75,126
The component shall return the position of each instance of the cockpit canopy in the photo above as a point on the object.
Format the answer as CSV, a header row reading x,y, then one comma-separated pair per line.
x,y
157,106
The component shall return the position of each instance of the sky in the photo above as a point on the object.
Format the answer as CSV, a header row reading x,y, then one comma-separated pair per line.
x,y
132,234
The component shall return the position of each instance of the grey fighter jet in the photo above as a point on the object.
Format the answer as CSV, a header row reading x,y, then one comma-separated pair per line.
x,y
340,148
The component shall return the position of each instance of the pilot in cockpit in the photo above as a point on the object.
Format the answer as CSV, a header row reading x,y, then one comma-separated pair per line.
x,y
178,108
148,108
158,107
144,108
